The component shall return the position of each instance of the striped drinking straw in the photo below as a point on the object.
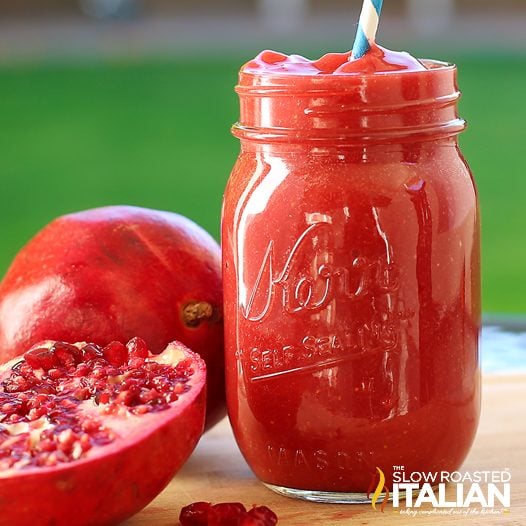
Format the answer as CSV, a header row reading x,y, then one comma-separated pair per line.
x,y
367,27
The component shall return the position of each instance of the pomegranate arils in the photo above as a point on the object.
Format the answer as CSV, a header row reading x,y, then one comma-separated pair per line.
x,y
160,383
90,426
226,514
16,384
136,362
55,374
195,514
41,357
67,354
82,393
262,515
101,397
43,399
137,348
90,351
81,370
115,353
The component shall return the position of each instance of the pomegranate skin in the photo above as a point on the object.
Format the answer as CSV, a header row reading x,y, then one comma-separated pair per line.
x,y
113,273
112,485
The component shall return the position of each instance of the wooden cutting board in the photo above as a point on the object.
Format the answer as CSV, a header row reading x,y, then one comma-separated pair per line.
x,y
216,472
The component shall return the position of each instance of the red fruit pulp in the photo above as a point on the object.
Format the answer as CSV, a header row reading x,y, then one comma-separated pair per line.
x,y
113,273
86,441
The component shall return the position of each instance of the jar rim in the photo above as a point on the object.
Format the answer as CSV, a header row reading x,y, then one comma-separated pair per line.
x,y
371,107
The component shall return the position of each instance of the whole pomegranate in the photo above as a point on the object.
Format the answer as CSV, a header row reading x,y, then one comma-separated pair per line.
x,y
90,435
114,273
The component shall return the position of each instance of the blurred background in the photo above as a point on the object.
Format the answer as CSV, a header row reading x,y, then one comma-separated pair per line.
x,y
130,102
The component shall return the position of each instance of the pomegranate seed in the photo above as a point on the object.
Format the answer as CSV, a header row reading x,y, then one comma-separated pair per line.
x,y
262,515
116,353
47,434
55,374
141,409
137,348
47,445
226,514
66,439
83,369
171,397
90,426
26,370
91,351
98,372
131,383
9,408
42,459
184,369
48,389
41,357
98,362
67,354
36,413
85,442
136,362
38,400
179,388
15,384
126,397
149,395
82,393
195,514
160,383
136,373
102,397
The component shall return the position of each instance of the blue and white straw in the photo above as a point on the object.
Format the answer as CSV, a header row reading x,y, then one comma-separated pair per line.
x,y
367,26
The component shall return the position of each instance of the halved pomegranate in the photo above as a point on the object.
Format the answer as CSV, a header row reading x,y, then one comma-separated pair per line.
x,y
90,435
113,273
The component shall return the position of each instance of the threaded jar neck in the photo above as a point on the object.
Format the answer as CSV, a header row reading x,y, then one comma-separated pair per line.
x,y
388,107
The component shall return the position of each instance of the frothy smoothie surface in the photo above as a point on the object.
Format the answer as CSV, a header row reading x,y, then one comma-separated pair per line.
x,y
377,60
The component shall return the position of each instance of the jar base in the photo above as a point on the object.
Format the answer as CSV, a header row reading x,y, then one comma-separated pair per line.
x,y
326,497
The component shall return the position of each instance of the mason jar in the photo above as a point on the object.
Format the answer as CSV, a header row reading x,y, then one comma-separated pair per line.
x,y
350,236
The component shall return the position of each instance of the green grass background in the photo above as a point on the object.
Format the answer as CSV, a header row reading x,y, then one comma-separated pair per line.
x,y
156,134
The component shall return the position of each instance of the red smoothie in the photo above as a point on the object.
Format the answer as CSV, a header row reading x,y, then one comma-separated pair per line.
x,y
351,272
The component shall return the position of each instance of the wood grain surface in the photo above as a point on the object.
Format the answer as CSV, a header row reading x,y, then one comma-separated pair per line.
x,y
216,472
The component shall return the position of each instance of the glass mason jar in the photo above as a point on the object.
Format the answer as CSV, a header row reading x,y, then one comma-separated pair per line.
x,y
350,236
